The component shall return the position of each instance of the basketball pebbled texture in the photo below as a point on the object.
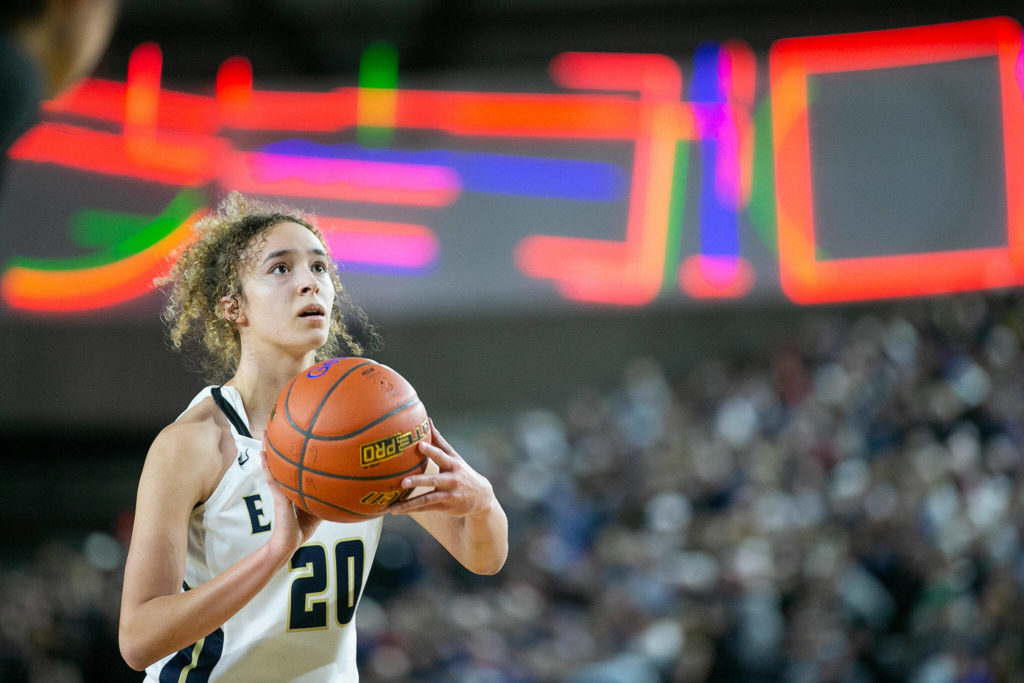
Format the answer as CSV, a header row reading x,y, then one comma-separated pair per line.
x,y
341,437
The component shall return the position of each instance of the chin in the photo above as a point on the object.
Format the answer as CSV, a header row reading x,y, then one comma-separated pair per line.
x,y
309,344
319,341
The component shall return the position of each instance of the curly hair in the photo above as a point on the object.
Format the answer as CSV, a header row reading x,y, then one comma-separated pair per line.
x,y
210,267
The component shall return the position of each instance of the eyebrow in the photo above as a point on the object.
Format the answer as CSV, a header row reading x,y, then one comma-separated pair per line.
x,y
287,252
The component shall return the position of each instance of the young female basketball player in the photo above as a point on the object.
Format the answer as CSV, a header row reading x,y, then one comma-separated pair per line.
x,y
225,578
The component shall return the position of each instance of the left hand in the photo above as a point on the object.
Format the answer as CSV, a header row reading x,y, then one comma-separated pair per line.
x,y
459,490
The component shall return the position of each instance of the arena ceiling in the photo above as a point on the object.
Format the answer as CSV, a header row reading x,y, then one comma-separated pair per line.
x,y
313,38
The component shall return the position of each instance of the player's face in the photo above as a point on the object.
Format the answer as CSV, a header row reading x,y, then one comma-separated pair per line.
x,y
287,291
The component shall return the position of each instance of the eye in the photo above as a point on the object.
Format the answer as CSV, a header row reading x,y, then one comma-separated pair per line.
x,y
319,267
279,268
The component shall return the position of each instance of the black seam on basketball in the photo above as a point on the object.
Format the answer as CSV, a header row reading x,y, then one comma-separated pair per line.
x,y
376,477
305,439
327,394
338,507
316,414
411,403
279,452
288,414
347,477
330,505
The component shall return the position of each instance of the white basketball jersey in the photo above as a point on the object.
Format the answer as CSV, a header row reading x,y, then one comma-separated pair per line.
x,y
301,626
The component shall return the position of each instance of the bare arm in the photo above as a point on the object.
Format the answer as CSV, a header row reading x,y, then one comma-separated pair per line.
x,y
461,512
158,619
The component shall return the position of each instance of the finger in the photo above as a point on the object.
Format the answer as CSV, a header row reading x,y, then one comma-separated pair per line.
x,y
263,451
440,440
443,460
436,480
428,501
306,518
267,474
269,479
265,465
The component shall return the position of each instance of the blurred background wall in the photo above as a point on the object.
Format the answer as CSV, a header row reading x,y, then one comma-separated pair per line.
x,y
751,405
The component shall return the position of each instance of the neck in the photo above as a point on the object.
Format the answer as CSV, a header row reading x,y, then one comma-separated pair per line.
x,y
260,379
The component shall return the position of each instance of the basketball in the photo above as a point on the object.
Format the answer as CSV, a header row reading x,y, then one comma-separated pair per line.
x,y
342,435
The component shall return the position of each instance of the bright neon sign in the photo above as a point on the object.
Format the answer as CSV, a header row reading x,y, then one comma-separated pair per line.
x,y
807,279
179,139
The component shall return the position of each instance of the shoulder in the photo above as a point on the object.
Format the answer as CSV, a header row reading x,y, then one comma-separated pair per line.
x,y
196,430
196,447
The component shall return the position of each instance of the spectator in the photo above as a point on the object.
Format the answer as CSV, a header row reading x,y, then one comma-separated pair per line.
x,y
45,46
845,508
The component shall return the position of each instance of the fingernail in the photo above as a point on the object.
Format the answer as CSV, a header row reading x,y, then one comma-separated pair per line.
x,y
405,483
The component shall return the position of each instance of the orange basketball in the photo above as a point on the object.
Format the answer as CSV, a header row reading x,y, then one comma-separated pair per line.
x,y
342,435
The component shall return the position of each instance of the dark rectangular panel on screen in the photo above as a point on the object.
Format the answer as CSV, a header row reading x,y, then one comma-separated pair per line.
x,y
908,160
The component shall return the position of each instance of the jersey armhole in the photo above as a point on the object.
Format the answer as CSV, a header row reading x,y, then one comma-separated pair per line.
x,y
233,417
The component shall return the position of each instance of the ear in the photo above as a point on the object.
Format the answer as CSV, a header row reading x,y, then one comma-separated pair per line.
x,y
231,307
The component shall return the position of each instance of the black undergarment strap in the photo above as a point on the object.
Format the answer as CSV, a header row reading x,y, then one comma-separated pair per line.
x,y
232,416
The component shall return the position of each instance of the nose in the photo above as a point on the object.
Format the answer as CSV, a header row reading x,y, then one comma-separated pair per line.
x,y
310,285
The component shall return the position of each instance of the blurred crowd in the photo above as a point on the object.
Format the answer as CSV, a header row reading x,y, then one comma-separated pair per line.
x,y
846,505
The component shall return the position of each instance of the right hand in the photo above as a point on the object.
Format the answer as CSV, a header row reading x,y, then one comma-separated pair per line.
x,y
292,525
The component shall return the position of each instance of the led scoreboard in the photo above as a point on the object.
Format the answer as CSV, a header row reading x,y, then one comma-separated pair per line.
x,y
843,167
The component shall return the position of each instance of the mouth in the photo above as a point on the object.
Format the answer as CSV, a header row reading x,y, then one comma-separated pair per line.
x,y
314,311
